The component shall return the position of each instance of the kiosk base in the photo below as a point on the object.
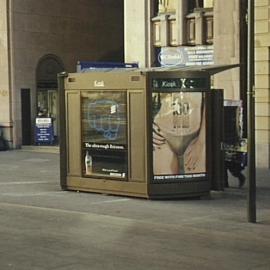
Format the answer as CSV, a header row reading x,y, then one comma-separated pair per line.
x,y
139,190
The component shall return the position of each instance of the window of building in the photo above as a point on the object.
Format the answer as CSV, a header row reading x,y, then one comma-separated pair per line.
x,y
199,21
197,4
192,4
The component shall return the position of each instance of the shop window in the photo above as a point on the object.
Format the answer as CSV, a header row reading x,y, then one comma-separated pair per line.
x,y
199,22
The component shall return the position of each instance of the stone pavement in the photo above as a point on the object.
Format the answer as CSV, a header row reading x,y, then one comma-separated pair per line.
x,y
43,227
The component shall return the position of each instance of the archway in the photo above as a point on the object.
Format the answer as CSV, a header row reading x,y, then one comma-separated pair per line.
x,y
47,91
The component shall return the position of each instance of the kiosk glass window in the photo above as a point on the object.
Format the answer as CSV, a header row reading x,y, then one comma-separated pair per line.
x,y
179,145
104,134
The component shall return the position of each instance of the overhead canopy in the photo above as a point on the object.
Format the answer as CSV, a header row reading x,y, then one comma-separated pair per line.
x,y
211,70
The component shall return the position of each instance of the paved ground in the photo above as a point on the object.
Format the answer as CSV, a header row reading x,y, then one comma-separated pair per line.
x,y
42,227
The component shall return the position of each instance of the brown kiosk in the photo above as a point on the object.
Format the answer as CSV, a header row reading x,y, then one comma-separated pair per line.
x,y
142,133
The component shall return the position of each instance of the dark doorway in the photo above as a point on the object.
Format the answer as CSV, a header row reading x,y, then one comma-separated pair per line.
x,y
26,116
47,91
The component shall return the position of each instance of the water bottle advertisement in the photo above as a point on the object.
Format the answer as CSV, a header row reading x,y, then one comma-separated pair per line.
x,y
104,137
178,132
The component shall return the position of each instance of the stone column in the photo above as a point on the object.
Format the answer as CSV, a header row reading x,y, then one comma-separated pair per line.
x,y
6,123
181,12
226,46
199,28
137,39
262,83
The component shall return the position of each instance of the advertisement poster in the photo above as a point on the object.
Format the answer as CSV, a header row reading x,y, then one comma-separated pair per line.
x,y
187,56
179,145
104,139
44,130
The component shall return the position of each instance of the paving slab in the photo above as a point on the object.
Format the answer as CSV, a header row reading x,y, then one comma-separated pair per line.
x,y
43,227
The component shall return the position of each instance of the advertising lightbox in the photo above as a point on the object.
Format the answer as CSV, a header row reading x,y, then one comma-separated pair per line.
x,y
179,131
104,139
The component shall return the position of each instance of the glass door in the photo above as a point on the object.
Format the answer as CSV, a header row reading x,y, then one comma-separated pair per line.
x,y
47,101
53,109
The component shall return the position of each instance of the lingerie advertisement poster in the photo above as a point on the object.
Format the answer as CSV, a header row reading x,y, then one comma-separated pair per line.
x,y
179,136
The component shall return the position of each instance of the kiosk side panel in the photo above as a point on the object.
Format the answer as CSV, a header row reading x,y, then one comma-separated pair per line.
x,y
73,133
180,133
106,133
137,136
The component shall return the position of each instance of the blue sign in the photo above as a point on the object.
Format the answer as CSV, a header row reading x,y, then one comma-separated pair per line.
x,y
44,131
86,66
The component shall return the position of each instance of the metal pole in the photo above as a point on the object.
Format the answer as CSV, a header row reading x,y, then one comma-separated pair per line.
x,y
251,117
62,133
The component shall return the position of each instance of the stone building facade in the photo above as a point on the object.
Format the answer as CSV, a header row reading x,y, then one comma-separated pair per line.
x,y
170,24
38,39
262,81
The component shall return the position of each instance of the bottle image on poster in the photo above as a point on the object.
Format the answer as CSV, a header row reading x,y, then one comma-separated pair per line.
x,y
88,163
178,135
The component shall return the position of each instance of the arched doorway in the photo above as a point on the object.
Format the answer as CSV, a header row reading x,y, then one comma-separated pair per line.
x,y
47,92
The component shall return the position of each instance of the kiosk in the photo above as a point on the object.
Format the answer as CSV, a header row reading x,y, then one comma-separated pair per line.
x,y
142,133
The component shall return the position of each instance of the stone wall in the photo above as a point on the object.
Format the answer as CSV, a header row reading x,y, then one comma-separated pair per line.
x,y
5,95
262,82
137,27
70,30
226,46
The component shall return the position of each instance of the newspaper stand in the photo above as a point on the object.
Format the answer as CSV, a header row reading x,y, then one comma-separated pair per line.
x,y
142,133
